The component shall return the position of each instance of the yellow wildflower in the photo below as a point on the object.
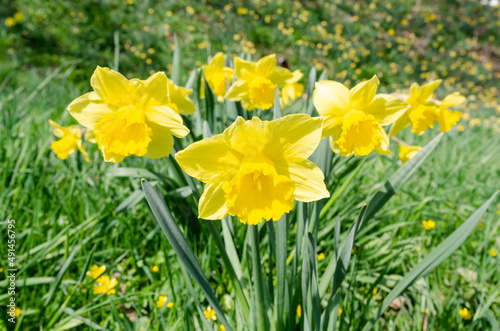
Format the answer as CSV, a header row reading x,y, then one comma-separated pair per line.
x,y
256,82
217,76
1,269
18,17
492,252
154,268
292,89
340,312
96,271
210,314
190,10
428,225
465,313
10,22
377,296
407,152
256,169
354,118
105,285
129,116
299,311
162,300
71,140
222,328
321,256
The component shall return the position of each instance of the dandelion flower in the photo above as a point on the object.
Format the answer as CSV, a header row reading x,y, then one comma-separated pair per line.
x,y
256,82
256,169
129,116
71,140
354,118
217,76
96,271
210,314
407,152
465,313
428,225
105,285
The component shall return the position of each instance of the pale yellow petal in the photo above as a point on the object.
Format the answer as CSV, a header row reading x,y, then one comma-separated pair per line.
x,y
218,60
362,94
280,76
244,69
331,126
401,123
58,129
180,97
386,108
212,205
167,118
161,143
331,98
453,99
383,148
156,87
111,86
88,109
266,65
237,91
428,89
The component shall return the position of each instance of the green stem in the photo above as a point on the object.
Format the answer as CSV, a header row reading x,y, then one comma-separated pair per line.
x,y
260,303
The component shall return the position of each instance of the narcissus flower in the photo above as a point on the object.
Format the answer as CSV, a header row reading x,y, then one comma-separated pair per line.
x,y
71,140
256,169
407,152
292,89
178,97
217,76
130,116
105,285
210,314
96,271
354,118
424,111
256,82
465,313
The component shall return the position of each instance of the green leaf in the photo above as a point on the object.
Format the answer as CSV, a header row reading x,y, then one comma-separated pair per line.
x,y
132,200
258,279
435,258
176,62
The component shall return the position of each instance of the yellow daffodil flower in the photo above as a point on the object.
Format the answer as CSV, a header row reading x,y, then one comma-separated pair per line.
x,y
492,252
256,169
407,152
465,313
217,76
179,99
428,225
354,118
256,82
130,116
210,314
71,140
105,285
96,271
292,89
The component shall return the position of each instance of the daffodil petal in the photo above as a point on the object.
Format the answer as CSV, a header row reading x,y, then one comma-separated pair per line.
x,y
157,88
180,97
244,69
331,98
428,89
111,86
167,118
82,150
447,118
362,94
331,126
453,99
266,65
280,76
237,91
88,109
58,130
218,60
383,148
161,143
212,205
111,157
400,124
386,108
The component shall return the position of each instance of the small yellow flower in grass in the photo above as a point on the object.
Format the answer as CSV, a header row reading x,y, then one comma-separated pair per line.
x,y
354,118
217,76
428,225
492,252
461,127
321,256
257,169
10,22
407,152
340,312
130,116
377,296
1,269
162,300
292,89
498,210
154,268
18,17
210,314
222,328
299,311
256,82
465,313
96,271
71,140
16,312
105,285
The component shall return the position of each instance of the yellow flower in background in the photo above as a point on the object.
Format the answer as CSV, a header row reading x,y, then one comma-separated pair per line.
x,y
154,268
18,17
210,314
428,225
354,118
71,140
130,116
492,252
105,285
217,76
222,328
257,169
17,312
299,311
407,152
179,99
376,295
321,256
162,300
96,271
10,22
465,313
340,312
445,117
256,82
292,89
1,269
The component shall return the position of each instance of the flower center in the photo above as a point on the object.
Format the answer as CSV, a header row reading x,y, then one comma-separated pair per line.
x,y
124,132
359,133
257,191
261,93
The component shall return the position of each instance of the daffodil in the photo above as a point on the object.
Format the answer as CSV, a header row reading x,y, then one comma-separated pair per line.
x,y
105,285
428,225
71,140
292,89
465,313
130,116
257,169
96,271
407,152
217,76
256,82
210,314
179,99
445,117
354,118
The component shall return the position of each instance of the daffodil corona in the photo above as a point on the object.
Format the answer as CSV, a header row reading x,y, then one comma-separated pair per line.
x,y
354,118
256,169
130,116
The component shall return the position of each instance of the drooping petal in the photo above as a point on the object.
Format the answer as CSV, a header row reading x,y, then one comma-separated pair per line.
x,y
362,94
58,130
167,118
208,159
111,86
212,205
88,109
82,150
308,178
180,97
280,76
161,143
386,108
331,98
407,152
